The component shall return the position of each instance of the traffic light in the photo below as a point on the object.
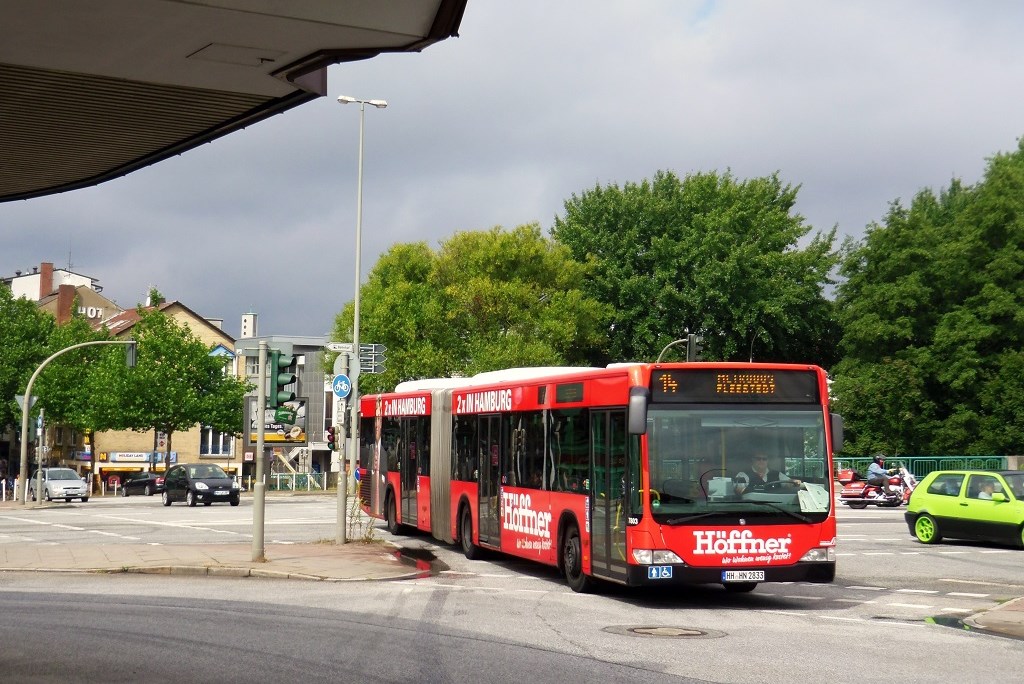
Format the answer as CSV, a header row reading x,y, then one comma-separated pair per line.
x,y
332,438
282,372
694,347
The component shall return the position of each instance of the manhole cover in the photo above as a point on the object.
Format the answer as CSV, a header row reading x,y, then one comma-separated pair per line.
x,y
664,632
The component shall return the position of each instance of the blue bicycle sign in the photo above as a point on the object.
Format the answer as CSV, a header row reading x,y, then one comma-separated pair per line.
x,y
342,386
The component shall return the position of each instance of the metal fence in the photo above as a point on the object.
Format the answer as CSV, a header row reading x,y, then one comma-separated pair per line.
x,y
922,465
297,482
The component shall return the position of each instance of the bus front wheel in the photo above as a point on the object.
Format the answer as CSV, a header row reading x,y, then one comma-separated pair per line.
x,y
572,561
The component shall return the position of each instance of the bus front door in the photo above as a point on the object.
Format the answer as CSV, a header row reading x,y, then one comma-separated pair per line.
x,y
489,482
609,439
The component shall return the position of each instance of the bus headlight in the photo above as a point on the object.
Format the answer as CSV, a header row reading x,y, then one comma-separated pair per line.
x,y
822,553
655,557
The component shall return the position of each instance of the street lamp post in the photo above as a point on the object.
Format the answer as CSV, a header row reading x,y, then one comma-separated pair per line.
x,y
352,439
26,407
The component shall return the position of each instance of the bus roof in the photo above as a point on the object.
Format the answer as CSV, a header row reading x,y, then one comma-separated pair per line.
x,y
491,377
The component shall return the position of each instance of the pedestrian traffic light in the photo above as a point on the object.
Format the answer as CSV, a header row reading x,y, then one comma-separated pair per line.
x,y
694,347
332,438
282,373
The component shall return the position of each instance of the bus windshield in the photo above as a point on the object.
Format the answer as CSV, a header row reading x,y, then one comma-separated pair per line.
x,y
752,459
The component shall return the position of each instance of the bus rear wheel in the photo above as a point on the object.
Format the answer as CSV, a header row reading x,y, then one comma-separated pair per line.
x,y
391,516
471,550
572,561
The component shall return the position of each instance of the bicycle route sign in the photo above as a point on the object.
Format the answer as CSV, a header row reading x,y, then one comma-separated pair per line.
x,y
341,385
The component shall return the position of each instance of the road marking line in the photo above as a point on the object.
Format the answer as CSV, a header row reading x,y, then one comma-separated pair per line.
x,y
783,612
917,591
909,605
966,594
867,588
990,584
956,610
28,520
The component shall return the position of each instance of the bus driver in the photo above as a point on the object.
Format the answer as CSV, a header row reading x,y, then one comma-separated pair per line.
x,y
760,474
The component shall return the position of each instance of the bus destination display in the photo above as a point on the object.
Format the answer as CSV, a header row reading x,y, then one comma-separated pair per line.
x,y
728,385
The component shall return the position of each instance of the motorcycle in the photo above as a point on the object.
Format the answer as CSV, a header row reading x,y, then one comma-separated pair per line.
x,y
857,493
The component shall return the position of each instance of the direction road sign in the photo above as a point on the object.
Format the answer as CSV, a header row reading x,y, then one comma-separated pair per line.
x,y
21,401
341,385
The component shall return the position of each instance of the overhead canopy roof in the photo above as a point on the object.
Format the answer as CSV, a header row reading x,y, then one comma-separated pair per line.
x,y
93,89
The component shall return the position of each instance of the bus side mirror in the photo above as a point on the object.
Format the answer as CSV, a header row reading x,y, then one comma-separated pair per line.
x,y
636,411
837,432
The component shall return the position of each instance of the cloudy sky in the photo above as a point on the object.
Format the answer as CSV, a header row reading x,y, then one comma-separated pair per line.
x,y
858,103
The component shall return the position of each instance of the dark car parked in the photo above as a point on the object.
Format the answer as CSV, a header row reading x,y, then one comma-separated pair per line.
x,y
143,483
195,482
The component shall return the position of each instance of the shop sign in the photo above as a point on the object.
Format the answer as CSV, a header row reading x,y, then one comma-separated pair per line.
x,y
138,456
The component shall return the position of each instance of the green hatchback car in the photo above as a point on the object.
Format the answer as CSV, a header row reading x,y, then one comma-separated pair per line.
x,y
968,504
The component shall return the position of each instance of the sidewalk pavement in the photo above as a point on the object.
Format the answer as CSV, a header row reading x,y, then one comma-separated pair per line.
x,y
328,562
357,560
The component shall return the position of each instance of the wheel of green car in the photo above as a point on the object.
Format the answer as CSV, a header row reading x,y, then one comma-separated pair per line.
x,y
927,530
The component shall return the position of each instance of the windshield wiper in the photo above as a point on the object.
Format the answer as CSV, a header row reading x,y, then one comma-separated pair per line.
x,y
688,518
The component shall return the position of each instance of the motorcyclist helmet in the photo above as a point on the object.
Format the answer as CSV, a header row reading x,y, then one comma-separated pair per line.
x,y
879,459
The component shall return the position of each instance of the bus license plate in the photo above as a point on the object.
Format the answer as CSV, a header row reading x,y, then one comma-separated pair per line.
x,y
743,575
659,572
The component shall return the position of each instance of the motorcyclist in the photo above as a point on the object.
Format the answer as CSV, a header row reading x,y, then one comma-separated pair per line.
x,y
878,475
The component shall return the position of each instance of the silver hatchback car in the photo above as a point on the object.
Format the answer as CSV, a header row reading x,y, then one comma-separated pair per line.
x,y
59,483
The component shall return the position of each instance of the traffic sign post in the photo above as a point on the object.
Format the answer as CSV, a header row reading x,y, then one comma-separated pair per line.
x,y
342,387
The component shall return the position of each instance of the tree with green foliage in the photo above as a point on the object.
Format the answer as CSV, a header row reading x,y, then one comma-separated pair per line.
x,y
175,385
24,332
932,309
64,386
707,254
485,300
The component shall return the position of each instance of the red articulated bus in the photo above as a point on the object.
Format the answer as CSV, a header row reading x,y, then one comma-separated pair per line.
x,y
638,474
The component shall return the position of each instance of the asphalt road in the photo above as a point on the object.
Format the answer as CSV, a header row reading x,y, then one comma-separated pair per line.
x,y
517,620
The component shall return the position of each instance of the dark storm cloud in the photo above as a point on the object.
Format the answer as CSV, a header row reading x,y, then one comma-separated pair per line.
x,y
858,103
